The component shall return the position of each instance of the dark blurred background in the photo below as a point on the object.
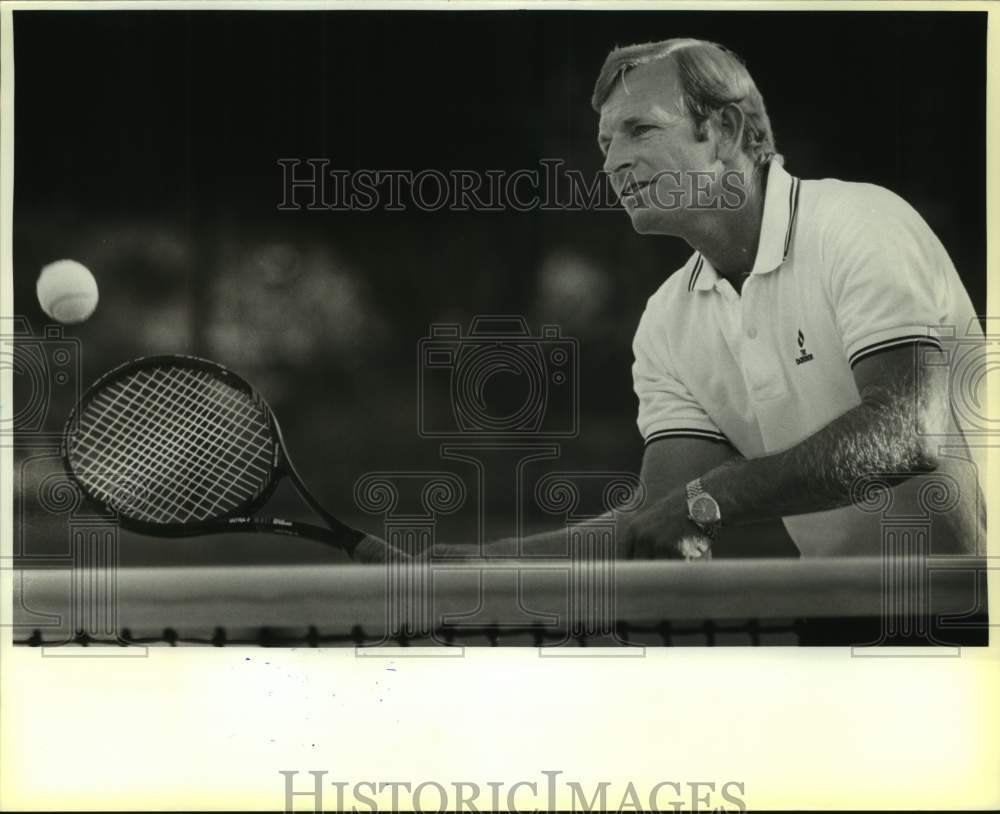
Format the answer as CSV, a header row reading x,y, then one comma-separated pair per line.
x,y
147,147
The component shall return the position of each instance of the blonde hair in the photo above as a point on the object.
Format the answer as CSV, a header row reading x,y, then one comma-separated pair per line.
x,y
711,78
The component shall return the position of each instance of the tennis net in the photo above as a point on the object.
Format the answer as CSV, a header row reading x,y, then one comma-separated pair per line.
x,y
871,601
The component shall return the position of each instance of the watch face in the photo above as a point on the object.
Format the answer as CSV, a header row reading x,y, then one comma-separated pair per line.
x,y
704,510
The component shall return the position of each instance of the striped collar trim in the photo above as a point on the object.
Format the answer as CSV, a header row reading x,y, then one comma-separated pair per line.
x,y
793,211
696,275
777,230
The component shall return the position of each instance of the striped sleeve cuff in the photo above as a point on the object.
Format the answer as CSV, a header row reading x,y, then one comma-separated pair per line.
x,y
879,343
686,432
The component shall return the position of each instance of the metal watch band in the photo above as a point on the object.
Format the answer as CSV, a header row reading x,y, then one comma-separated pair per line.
x,y
694,490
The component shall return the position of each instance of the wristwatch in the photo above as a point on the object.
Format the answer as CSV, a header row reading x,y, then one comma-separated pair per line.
x,y
703,510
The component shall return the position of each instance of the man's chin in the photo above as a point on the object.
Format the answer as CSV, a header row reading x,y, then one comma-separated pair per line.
x,y
648,221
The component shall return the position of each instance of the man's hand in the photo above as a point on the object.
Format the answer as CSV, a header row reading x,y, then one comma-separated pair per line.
x,y
664,531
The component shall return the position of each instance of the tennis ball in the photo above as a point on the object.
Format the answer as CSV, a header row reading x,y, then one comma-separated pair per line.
x,y
67,291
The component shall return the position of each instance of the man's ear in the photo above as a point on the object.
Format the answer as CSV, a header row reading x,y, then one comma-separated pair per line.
x,y
729,123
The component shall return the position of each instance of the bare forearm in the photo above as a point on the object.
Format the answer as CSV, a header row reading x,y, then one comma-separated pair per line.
x,y
544,544
878,436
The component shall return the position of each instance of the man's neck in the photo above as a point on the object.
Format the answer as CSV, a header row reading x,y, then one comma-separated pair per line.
x,y
729,237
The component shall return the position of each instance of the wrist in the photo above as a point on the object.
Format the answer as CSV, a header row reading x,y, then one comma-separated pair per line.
x,y
703,509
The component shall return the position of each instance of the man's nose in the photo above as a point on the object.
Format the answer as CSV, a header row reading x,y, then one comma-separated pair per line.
x,y
616,160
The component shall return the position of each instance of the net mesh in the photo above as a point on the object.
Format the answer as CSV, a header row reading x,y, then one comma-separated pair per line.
x,y
517,603
172,445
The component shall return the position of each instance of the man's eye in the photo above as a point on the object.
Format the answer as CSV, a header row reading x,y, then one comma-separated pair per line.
x,y
640,129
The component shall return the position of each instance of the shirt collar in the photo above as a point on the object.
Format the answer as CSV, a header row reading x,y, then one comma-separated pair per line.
x,y
781,203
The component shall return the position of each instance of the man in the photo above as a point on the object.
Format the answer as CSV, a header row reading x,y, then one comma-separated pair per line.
x,y
798,365
797,353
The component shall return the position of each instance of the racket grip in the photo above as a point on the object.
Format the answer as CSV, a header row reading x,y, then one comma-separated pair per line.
x,y
371,549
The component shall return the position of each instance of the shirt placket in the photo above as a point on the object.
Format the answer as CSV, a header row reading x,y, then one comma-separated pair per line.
x,y
732,319
763,374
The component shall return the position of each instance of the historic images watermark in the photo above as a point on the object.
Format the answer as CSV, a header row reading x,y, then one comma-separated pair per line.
x,y
313,184
56,529
499,397
550,793
46,372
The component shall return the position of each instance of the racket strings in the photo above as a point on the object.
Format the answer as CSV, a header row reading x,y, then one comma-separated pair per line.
x,y
162,458
196,463
176,456
157,444
173,445
202,471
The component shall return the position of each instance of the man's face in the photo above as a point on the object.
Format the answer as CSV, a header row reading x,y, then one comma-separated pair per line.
x,y
651,148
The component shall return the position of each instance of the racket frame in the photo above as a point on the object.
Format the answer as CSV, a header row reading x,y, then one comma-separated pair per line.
x,y
242,517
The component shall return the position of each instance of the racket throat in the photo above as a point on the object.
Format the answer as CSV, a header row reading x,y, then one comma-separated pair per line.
x,y
348,537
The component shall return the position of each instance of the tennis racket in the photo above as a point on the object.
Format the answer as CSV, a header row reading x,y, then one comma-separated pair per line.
x,y
178,446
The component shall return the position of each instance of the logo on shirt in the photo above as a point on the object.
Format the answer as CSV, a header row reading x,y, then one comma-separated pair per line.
x,y
804,355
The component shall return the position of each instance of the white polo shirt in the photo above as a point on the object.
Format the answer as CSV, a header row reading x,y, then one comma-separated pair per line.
x,y
843,270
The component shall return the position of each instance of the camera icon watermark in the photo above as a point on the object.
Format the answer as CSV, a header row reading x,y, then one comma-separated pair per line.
x,y
66,560
497,381
970,359
927,598
46,374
